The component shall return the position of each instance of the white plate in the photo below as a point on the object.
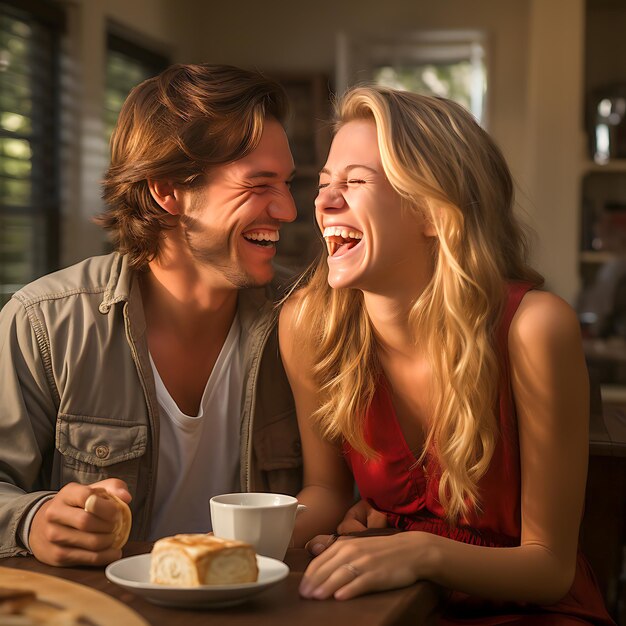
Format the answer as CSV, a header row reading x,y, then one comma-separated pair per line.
x,y
133,573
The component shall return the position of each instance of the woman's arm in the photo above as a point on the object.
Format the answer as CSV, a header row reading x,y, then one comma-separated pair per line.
x,y
328,485
550,387
551,391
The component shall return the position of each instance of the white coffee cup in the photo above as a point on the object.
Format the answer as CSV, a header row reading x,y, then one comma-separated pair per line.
x,y
265,520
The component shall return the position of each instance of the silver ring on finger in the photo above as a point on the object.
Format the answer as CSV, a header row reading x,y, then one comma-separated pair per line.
x,y
352,569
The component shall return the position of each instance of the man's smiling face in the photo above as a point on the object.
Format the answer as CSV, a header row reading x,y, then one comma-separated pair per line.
x,y
232,222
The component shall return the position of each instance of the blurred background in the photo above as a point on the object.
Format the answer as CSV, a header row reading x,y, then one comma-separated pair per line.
x,y
67,66
547,79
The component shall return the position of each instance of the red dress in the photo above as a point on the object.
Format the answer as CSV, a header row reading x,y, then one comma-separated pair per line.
x,y
408,493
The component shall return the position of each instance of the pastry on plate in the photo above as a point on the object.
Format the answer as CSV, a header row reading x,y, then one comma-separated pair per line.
x,y
191,560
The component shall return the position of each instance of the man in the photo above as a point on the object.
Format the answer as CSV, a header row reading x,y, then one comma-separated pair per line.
x,y
154,371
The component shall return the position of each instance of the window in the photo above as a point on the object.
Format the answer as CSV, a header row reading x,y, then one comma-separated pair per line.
x,y
442,63
128,64
29,179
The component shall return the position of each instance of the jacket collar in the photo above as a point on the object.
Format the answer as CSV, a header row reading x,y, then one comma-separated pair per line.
x,y
119,283
255,305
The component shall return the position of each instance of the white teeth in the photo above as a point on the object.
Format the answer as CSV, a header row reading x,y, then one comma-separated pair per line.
x,y
262,235
342,231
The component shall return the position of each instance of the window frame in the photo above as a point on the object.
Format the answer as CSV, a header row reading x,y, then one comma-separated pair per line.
x,y
357,55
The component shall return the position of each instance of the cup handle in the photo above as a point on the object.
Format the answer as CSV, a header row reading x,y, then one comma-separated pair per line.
x,y
301,508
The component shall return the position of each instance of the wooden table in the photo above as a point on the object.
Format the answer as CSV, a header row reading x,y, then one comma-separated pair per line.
x,y
281,604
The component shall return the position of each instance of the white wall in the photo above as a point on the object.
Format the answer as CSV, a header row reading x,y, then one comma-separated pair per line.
x,y
556,143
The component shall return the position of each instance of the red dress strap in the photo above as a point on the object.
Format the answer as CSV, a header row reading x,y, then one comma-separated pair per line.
x,y
516,291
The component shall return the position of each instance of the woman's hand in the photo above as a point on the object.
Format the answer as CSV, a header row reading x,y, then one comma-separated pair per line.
x,y
362,516
352,566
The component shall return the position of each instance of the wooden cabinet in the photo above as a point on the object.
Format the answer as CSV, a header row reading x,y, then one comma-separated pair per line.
x,y
309,132
602,529
602,303
603,223
603,169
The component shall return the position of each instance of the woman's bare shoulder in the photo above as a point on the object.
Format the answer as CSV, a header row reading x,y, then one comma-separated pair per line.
x,y
292,332
543,316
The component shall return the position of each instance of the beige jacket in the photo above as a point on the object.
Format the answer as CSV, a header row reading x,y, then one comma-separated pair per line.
x,y
78,401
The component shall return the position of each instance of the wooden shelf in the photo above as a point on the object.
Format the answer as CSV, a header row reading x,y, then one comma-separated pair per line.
x,y
603,217
599,256
610,349
615,166
613,394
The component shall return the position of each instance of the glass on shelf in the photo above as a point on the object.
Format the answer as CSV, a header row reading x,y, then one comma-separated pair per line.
x,y
608,123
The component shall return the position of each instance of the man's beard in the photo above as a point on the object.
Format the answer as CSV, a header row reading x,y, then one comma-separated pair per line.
x,y
209,251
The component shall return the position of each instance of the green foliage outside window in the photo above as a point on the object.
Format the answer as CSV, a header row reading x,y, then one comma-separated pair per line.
x,y
16,135
450,81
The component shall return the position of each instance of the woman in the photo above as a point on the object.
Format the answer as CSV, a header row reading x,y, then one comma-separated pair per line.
x,y
426,363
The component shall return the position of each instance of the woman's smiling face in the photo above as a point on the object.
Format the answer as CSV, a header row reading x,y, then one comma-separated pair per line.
x,y
373,243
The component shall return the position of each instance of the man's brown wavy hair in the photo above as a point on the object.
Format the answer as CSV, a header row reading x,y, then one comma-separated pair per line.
x,y
177,126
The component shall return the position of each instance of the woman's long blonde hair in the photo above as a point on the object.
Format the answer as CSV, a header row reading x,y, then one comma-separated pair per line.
x,y
444,165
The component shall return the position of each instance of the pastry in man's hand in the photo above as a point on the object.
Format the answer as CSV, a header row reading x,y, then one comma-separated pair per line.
x,y
197,559
124,518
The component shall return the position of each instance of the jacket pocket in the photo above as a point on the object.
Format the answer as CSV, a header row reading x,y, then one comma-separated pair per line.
x,y
94,448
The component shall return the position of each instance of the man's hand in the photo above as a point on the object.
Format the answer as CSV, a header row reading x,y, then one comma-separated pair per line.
x,y
361,516
62,533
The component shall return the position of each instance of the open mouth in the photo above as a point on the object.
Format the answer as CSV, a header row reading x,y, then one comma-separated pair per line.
x,y
341,239
263,238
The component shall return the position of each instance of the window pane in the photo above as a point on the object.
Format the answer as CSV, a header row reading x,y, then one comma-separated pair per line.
x,y
17,168
29,207
15,123
16,192
445,63
17,258
462,81
15,148
127,65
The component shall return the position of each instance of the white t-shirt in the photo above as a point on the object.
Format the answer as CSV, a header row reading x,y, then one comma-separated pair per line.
x,y
198,456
